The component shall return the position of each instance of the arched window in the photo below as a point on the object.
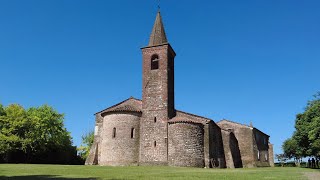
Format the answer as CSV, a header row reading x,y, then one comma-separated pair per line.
x,y
114,132
258,154
154,62
132,133
155,119
155,144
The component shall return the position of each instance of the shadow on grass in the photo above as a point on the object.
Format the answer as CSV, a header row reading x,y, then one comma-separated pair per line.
x,y
42,177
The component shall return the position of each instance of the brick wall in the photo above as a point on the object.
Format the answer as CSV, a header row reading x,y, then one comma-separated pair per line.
x,y
157,106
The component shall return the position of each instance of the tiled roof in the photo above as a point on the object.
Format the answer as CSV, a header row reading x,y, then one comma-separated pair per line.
x,y
126,108
188,117
182,120
129,105
234,123
246,126
193,115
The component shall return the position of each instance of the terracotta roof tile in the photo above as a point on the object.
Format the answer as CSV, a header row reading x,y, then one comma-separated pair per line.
x,y
129,105
178,119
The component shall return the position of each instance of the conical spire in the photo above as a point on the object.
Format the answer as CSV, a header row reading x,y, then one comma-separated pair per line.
x,y
158,35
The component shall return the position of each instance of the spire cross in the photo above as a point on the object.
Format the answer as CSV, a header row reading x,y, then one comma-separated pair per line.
x,y
159,5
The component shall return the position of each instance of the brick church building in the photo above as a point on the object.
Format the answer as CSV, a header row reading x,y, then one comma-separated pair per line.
x,y
152,132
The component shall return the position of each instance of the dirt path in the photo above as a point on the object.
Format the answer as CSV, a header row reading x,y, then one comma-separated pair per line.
x,y
312,175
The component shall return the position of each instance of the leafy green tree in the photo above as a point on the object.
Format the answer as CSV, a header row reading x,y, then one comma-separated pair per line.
x,y
13,126
2,112
87,141
34,135
306,138
292,150
312,113
47,132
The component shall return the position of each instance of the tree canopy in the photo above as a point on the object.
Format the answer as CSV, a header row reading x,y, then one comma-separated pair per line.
x,y
306,138
34,135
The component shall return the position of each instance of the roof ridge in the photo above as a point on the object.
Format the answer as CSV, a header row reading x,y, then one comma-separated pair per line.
x,y
131,97
247,126
195,115
186,120
234,122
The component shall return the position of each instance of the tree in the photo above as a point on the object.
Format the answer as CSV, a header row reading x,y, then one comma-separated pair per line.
x,y
291,150
12,135
35,135
2,112
306,138
282,159
87,141
312,113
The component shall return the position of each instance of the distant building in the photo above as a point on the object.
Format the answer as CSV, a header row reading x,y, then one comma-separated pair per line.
x,y
152,132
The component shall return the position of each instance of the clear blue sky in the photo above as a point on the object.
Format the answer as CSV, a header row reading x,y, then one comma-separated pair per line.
x,y
240,60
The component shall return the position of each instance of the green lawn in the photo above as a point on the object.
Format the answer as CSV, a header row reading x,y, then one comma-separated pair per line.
x,y
60,172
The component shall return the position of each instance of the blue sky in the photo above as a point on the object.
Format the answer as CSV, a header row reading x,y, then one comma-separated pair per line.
x,y
240,60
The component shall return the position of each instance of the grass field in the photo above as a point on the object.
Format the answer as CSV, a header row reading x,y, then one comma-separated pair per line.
x,y
60,172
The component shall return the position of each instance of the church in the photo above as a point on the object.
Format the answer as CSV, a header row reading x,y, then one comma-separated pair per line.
x,y
152,132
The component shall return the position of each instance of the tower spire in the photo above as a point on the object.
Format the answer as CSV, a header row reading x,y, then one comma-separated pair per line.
x,y
158,35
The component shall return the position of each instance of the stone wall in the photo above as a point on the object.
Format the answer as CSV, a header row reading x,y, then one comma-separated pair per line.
x,y
245,141
253,143
216,151
118,146
260,148
186,144
95,151
271,156
153,138
226,147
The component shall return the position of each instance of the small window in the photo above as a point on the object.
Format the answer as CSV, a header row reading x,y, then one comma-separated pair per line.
x,y
257,137
258,155
155,144
154,62
114,132
266,157
132,133
96,130
155,119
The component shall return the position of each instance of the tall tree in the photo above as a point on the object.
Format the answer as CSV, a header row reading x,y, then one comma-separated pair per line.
x,y
307,133
292,150
34,135
12,134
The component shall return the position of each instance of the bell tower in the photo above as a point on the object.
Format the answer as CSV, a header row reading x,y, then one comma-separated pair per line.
x,y
157,96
